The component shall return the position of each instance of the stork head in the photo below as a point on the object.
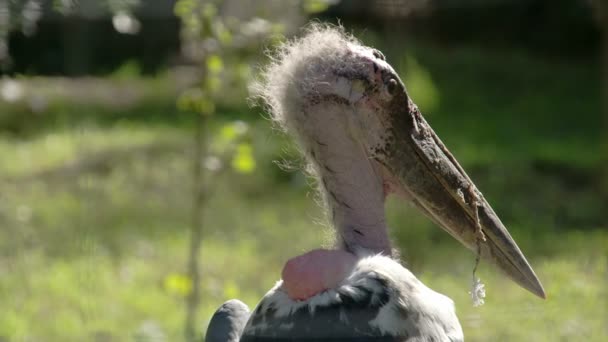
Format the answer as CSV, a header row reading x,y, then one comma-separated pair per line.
x,y
365,138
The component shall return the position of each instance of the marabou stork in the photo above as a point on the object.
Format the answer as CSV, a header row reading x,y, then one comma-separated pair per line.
x,y
364,138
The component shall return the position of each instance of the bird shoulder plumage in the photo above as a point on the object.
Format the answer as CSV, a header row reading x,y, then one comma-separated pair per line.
x,y
379,301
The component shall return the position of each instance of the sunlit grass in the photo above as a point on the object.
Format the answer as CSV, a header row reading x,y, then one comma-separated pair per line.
x,y
54,149
91,255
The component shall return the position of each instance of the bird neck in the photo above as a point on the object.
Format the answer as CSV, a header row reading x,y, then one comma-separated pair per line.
x,y
356,199
352,184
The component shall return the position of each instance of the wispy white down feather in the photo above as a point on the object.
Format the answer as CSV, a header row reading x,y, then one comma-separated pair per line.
x,y
298,66
301,71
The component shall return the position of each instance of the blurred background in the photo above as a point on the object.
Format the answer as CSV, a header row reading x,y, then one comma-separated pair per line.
x,y
140,189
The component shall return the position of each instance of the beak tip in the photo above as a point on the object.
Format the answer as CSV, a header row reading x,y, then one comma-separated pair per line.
x,y
436,182
539,290
534,285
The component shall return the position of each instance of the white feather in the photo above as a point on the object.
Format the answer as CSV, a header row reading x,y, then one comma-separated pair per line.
x,y
412,310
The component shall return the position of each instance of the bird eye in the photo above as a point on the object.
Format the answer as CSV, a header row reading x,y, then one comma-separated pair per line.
x,y
391,86
379,55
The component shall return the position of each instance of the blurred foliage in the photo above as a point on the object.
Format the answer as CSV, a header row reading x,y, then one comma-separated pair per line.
x,y
96,179
223,47
95,202
24,15
178,284
317,6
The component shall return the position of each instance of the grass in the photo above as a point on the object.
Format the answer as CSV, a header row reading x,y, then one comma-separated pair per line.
x,y
95,207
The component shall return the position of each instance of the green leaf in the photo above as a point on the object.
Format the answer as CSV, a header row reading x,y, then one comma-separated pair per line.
x,y
316,6
243,161
215,64
209,11
194,100
178,284
187,101
183,8
231,290
228,133
222,33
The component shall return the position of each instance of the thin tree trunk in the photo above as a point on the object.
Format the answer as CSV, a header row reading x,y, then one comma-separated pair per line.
x,y
604,15
196,230
603,10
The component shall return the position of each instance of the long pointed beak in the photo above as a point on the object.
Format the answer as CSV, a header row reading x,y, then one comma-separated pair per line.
x,y
443,191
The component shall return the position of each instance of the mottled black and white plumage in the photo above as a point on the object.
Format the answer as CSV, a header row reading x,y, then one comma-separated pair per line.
x,y
379,301
364,138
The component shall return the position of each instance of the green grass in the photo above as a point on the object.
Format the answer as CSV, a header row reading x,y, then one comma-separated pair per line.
x,y
95,207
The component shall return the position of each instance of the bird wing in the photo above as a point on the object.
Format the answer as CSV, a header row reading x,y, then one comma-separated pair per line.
x,y
228,322
379,301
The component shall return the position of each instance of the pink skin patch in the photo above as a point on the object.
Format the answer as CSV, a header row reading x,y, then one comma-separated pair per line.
x,y
319,270
316,271
391,186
